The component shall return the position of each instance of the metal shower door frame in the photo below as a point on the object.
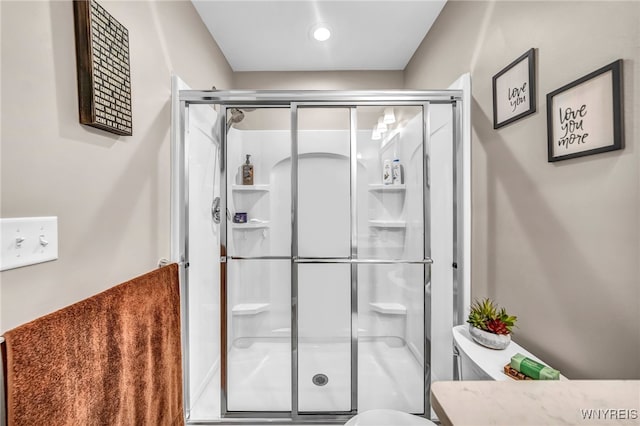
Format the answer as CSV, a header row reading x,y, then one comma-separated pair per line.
x,y
294,100
296,414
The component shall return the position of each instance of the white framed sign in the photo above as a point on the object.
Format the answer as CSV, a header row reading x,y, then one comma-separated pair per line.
x,y
584,117
514,90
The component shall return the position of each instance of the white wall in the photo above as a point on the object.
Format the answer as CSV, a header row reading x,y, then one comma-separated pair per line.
x,y
557,244
111,194
203,290
440,185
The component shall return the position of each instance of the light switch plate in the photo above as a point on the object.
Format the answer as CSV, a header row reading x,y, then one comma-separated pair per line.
x,y
27,241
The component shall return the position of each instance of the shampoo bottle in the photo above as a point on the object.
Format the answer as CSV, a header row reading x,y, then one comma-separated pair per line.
x,y
247,172
387,173
397,172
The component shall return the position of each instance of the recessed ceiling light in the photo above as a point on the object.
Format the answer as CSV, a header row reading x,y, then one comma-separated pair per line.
x,y
322,34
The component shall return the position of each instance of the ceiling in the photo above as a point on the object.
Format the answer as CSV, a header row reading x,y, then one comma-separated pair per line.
x,y
266,35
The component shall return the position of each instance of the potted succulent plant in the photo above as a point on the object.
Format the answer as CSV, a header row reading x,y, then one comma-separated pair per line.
x,y
489,325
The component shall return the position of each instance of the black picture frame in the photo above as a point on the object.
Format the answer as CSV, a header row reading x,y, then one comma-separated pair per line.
x,y
592,119
514,90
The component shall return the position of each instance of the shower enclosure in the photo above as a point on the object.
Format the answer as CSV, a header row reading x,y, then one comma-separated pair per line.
x,y
318,289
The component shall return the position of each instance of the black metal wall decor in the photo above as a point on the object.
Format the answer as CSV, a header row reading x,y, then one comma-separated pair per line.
x,y
585,116
104,81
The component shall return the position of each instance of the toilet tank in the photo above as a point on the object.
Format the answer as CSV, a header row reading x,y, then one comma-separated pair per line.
x,y
477,362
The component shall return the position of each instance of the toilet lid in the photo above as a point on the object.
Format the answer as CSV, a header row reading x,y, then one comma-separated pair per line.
x,y
491,361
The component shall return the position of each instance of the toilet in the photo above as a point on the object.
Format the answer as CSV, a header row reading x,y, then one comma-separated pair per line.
x,y
475,362
387,418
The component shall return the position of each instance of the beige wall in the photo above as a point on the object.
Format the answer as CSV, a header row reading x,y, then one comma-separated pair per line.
x,y
313,80
111,194
558,244
319,80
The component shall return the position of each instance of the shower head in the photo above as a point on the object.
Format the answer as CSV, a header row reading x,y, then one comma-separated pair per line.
x,y
236,116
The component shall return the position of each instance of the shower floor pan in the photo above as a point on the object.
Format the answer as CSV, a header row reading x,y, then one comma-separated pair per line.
x,y
389,376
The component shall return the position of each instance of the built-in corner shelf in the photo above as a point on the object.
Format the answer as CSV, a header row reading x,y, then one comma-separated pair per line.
x,y
251,225
250,188
379,187
249,308
389,224
388,308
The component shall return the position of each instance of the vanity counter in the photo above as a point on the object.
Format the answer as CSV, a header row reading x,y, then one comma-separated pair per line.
x,y
572,402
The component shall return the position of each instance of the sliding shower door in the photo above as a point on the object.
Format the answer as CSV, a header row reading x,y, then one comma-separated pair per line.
x,y
360,259
304,224
257,282
325,259
391,251
323,245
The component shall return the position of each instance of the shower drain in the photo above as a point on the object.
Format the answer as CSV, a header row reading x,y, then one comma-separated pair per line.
x,y
320,379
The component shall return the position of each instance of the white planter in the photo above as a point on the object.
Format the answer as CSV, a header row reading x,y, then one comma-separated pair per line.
x,y
490,340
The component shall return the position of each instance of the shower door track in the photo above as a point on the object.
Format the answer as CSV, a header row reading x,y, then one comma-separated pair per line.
x,y
224,259
292,100
364,261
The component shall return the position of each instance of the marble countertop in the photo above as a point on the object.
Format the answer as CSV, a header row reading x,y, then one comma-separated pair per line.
x,y
572,402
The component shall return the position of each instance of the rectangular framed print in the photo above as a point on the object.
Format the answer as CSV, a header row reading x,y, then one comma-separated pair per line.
x,y
514,90
102,58
584,117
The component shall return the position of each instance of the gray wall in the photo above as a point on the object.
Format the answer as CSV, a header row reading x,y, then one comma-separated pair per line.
x,y
111,194
557,244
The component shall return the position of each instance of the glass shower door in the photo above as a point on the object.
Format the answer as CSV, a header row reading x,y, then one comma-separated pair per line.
x,y
257,237
323,348
391,244
360,260
321,266
326,261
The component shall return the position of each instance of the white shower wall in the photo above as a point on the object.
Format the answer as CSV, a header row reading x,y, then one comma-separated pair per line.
x,y
324,212
204,251
271,158
409,149
324,231
441,174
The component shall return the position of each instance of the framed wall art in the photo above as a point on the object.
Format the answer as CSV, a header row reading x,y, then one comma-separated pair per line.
x,y
585,116
102,60
514,90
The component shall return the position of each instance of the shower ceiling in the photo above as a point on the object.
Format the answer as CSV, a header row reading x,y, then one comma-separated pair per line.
x,y
277,35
